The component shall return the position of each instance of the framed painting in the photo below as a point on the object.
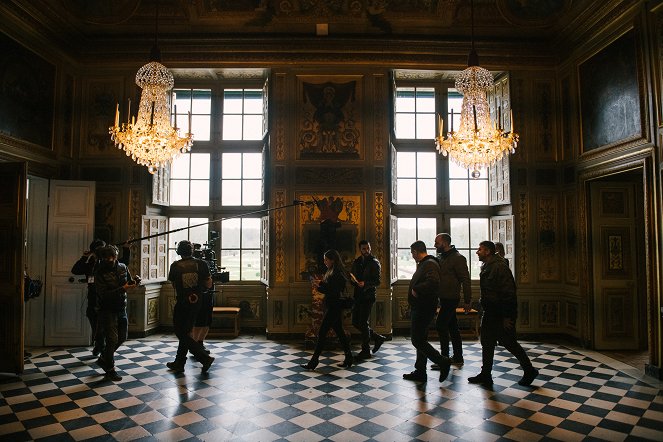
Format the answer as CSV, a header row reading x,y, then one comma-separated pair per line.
x,y
611,109
27,94
330,117
328,221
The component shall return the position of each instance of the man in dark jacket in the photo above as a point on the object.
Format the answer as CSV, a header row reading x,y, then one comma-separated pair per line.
x,y
112,279
423,298
190,277
500,310
365,276
87,265
454,274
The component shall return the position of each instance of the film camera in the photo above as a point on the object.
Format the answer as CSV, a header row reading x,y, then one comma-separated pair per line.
x,y
207,254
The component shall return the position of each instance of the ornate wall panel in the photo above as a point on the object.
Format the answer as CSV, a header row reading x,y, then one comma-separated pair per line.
x,y
544,120
570,224
329,175
523,244
280,111
380,117
568,117
279,237
548,237
378,244
153,251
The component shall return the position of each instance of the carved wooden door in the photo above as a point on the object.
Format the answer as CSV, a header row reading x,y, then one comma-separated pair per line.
x,y
614,263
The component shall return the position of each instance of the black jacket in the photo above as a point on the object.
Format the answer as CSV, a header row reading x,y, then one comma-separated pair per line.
x,y
109,284
86,265
426,283
333,288
367,270
498,289
454,274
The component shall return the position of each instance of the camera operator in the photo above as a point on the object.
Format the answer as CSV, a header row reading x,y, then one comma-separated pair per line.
x,y
191,278
112,279
87,265
204,317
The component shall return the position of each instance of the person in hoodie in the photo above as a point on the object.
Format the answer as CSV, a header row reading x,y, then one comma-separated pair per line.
x,y
500,310
454,275
423,298
112,280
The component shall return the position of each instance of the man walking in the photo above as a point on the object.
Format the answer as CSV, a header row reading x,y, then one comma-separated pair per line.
x,y
454,274
190,277
500,309
365,275
112,279
423,298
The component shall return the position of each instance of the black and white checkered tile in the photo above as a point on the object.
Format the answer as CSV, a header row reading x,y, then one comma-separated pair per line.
x,y
256,391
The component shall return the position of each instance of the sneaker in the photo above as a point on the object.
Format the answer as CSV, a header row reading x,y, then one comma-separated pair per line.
x,y
528,377
364,354
379,340
112,376
207,364
481,378
415,376
175,366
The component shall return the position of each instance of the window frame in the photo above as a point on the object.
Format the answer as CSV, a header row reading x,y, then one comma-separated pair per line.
x,y
442,211
215,147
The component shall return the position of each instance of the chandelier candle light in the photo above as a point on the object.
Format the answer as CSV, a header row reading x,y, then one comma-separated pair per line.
x,y
478,142
150,139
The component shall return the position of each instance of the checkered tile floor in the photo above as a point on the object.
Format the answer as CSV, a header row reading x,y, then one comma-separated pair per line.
x,y
256,391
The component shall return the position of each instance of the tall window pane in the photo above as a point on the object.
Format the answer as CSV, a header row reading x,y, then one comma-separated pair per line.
x,y
466,234
416,178
198,102
409,231
240,248
189,180
242,114
415,112
239,186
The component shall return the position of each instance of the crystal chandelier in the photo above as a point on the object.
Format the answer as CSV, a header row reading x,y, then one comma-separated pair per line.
x,y
149,139
478,142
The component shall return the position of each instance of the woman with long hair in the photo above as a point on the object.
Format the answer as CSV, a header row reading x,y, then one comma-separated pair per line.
x,y
332,286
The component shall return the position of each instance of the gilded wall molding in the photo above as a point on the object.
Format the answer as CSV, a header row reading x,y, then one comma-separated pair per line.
x,y
329,175
136,209
378,117
379,227
279,237
280,93
523,221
